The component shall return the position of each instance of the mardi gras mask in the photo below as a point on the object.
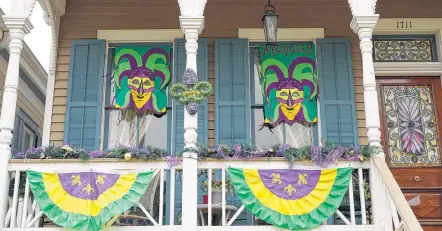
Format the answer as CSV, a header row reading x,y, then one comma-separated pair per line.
x,y
290,97
289,93
140,82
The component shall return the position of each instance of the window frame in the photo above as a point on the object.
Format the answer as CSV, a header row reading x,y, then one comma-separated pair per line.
x,y
110,49
22,123
431,37
254,106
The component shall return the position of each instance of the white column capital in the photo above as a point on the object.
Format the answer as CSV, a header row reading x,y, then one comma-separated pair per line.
x,y
192,24
20,23
364,23
192,8
362,7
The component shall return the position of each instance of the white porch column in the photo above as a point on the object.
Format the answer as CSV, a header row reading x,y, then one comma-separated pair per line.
x,y
363,23
18,28
192,27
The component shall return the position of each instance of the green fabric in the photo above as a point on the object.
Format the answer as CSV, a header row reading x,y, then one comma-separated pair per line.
x,y
282,56
82,222
296,222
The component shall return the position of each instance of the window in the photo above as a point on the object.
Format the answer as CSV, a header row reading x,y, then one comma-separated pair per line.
x,y
141,131
404,48
296,135
25,133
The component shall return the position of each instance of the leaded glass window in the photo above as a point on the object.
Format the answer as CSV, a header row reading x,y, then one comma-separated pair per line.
x,y
411,125
404,48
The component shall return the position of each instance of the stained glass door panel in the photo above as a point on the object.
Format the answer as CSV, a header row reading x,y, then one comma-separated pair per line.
x,y
410,122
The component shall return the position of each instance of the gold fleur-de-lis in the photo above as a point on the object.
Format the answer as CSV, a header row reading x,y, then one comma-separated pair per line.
x,y
302,178
76,180
100,179
88,189
289,189
276,178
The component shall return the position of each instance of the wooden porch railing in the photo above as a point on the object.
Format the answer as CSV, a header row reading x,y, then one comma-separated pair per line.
x,y
353,215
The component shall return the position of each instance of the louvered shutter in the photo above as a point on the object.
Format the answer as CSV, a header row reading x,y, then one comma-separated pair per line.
x,y
337,96
84,102
232,107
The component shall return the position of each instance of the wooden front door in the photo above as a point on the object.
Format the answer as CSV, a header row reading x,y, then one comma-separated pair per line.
x,y
411,122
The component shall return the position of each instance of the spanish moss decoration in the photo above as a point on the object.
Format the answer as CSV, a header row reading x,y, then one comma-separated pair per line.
x,y
121,152
289,83
141,76
86,200
291,199
321,155
191,92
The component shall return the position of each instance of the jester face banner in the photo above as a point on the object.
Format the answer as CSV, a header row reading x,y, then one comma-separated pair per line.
x,y
86,200
141,76
291,198
289,83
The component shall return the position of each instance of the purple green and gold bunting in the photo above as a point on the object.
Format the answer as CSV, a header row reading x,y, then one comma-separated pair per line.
x,y
291,199
86,200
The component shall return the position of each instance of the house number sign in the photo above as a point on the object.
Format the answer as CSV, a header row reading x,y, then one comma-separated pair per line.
x,y
404,25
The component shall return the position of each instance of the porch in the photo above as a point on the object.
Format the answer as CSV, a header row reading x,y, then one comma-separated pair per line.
x,y
160,210
86,113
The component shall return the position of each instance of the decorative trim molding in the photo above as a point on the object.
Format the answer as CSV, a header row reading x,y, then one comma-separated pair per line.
x,y
408,69
395,26
418,25
284,34
148,35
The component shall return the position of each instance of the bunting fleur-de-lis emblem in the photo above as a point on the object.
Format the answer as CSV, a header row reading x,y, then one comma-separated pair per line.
x,y
289,189
76,180
100,179
88,190
302,178
276,178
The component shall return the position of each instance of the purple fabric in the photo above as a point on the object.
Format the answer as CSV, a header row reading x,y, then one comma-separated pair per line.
x,y
87,178
290,176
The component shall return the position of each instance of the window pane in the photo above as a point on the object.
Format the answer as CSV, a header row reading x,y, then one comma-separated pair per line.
x,y
410,124
404,49
298,135
156,134
257,76
265,138
28,139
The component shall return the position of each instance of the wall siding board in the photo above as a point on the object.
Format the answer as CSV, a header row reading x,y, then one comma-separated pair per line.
x,y
84,17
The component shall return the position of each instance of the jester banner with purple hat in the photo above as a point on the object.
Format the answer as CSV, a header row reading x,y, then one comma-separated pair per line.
x,y
292,199
86,200
141,76
289,83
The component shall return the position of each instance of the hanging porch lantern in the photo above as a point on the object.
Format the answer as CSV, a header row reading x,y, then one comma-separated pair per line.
x,y
270,23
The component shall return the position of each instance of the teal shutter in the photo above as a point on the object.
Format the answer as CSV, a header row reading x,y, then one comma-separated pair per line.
x,y
177,143
232,107
337,96
83,108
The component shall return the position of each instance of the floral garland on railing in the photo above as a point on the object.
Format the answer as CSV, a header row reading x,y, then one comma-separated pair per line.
x,y
323,156
320,155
